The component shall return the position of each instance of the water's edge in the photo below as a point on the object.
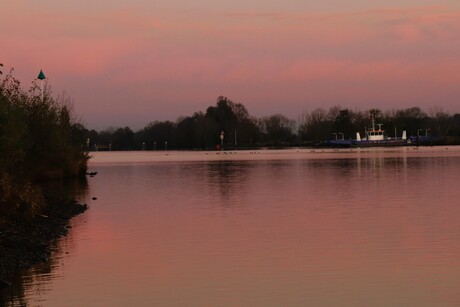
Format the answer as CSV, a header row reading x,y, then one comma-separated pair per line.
x,y
24,244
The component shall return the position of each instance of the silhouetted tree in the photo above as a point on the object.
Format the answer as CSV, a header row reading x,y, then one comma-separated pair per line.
x,y
411,119
123,139
315,126
158,134
441,121
278,130
343,123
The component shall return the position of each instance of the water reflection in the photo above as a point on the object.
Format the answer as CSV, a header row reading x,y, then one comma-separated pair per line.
x,y
37,281
339,230
228,178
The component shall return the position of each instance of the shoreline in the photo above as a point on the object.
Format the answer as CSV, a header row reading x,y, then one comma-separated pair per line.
x,y
26,243
126,157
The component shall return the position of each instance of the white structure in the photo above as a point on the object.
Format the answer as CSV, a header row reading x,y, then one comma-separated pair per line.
x,y
377,134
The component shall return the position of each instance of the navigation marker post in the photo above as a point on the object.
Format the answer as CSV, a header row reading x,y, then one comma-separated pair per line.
x,y
222,140
41,77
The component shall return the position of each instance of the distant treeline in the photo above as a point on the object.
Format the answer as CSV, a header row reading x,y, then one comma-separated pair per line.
x,y
39,140
241,130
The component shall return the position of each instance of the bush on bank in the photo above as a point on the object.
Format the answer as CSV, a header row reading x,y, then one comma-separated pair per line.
x,y
39,140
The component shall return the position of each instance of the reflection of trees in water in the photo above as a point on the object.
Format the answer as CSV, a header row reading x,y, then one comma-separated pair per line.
x,y
350,177
38,278
228,177
64,189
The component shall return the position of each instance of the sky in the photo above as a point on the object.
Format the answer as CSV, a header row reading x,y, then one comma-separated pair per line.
x,y
128,63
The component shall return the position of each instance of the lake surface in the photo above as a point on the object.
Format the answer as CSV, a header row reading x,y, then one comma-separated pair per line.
x,y
373,227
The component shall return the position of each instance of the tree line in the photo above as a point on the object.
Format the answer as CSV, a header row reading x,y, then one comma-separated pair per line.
x,y
232,121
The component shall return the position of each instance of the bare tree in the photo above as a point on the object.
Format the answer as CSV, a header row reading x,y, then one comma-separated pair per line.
x,y
442,120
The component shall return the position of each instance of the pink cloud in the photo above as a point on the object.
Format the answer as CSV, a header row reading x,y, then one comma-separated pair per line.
x,y
162,58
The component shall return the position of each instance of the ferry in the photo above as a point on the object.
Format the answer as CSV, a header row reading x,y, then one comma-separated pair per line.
x,y
375,136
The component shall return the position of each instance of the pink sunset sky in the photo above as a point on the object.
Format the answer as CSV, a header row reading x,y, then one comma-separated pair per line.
x,y
133,62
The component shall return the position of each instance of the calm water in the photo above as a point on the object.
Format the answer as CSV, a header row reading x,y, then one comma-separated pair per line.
x,y
286,228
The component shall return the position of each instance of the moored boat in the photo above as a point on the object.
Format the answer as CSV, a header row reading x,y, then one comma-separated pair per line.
x,y
374,136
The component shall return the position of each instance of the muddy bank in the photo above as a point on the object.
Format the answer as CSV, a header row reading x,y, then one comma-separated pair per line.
x,y
25,243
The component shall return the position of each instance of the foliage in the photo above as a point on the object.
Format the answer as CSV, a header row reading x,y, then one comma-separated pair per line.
x,y
199,131
39,140
278,130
